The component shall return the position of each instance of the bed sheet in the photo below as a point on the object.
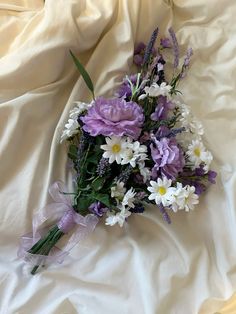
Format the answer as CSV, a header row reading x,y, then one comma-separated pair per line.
x,y
147,267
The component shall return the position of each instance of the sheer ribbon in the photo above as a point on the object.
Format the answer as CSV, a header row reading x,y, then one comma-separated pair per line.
x,y
64,216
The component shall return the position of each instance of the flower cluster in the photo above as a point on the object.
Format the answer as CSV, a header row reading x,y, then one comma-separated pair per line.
x,y
147,147
143,146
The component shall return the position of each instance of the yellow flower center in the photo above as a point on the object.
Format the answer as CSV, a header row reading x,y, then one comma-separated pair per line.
x,y
197,152
162,190
116,148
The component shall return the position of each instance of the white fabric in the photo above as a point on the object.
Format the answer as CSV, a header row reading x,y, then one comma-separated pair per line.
x,y
147,267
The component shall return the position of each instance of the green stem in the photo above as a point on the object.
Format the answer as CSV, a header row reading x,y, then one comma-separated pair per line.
x,y
37,246
33,271
44,245
83,164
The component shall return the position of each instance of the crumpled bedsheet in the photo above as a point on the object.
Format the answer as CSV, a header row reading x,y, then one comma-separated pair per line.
x,y
147,267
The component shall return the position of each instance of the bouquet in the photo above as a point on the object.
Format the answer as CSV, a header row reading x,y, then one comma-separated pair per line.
x,y
144,146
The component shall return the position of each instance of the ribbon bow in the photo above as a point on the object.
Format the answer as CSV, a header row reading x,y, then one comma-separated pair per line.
x,y
63,214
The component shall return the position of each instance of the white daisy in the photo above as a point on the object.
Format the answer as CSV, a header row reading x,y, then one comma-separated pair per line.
x,y
144,171
188,121
156,90
185,198
179,195
128,199
80,108
128,157
135,152
114,149
186,117
118,191
119,217
198,154
138,148
196,127
207,159
71,128
161,191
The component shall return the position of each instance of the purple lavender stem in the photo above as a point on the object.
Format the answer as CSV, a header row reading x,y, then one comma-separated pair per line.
x,y
149,47
103,166
164,213
175,47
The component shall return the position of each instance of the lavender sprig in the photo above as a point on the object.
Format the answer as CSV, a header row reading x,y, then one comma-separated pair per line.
x,y
171,133
187,59
149,47
103,166
125,174
175,47
85,139
164,213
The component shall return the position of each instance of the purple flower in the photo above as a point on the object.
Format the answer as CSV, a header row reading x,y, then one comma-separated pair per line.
x,y
124,91
168,158
165,43
200,172
139,53
103,167
138,209
150,47
98,209
175,47
186,62
117,117
164,213
211,176
199,187
162,109
164,131
138,178
188,56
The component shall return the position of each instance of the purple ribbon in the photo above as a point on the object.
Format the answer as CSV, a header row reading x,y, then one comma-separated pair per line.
x,y
63,214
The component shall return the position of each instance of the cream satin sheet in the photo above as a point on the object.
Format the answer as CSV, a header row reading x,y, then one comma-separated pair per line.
x,y
147,267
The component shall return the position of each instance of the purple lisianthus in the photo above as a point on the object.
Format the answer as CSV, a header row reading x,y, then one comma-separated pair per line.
x,y
124,90
168,158
110,117
162,109
98,209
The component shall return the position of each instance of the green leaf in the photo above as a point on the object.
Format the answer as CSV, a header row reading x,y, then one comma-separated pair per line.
x,y
83,203
84,73
72,153
93,158
103,198
97,184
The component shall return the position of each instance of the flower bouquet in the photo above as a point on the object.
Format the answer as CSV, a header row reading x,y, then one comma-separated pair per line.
x,y
141,147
